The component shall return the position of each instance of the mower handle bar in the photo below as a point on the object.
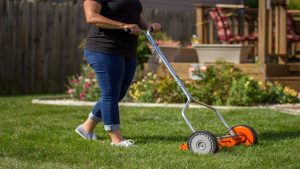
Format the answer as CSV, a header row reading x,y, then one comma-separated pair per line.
x,y
181,84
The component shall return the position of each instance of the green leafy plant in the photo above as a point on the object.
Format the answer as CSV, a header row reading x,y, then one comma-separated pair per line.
x,y
143,52
277,93
143,90
215,83
219,84
223,84
154,89
168,91
245,91
294,4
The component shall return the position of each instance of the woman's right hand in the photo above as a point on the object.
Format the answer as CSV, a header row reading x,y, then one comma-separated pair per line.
x,y
134,28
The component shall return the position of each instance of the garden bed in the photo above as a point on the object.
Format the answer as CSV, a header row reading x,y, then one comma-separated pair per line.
x,y
286,108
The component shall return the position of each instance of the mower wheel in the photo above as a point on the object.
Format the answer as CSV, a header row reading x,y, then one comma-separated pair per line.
x,y
248,132
203,142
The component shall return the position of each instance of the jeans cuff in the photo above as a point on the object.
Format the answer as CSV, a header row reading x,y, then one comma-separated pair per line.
x,y
112,127
95,118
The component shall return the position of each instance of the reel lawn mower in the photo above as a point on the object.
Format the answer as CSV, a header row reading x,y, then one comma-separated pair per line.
x,y
204,142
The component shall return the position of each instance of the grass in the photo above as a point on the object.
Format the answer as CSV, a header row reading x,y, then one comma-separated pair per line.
x,y
42,136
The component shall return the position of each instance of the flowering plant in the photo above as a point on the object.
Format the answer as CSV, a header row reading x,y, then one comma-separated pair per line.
x,y
220,84
143,90
84,87
153,89
278,93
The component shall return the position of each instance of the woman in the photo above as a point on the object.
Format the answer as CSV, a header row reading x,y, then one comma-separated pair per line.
x,y
111,52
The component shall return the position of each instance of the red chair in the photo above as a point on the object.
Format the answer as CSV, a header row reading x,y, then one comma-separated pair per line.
x,y
293,38
250,37
291,35
223,29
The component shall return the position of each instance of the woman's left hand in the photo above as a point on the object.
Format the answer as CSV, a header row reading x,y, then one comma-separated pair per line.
x,y
156,27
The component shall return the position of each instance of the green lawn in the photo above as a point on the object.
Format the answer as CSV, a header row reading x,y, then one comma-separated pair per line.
x,y
42,136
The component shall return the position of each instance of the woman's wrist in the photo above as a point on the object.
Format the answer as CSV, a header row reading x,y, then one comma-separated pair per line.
x,y
122,25
148,25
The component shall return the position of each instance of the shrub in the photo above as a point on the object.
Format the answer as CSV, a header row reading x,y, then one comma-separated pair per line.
x,y
277,93
245,91
168,91
142,90
294,4
219,84
152,89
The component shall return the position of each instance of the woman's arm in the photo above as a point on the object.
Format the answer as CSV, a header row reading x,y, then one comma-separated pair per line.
x,y
92,11
144,24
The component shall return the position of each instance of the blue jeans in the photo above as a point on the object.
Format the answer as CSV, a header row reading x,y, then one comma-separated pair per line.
x,y
114,75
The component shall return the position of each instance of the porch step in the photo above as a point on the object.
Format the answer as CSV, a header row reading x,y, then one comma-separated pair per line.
x,y
277,70
294,69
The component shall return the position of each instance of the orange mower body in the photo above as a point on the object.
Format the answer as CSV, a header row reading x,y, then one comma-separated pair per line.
x,y
245,135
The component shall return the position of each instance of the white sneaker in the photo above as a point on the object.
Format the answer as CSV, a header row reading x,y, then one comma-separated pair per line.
x,y
124,143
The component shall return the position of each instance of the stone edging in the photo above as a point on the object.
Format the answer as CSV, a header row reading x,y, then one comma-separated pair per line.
x,y
289,108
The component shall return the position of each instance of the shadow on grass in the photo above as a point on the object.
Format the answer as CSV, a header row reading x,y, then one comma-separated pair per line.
x,y
160,138
268,135
278,135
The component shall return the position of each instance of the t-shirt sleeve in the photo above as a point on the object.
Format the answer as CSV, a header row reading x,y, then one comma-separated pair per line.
x,y
101,1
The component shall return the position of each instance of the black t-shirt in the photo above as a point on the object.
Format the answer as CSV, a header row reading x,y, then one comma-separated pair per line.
x,y
116,41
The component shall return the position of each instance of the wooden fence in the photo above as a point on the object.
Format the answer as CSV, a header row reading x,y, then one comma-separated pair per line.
x,y
39,46
39,43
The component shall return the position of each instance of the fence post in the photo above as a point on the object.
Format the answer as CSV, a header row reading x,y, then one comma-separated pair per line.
x,y
263,36
262,31
200,22
283,33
